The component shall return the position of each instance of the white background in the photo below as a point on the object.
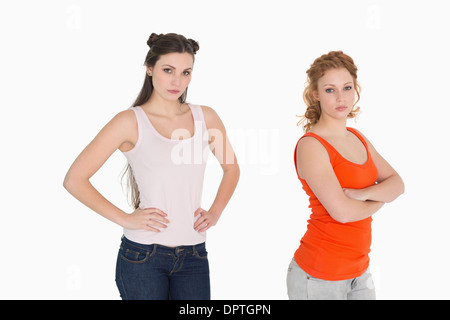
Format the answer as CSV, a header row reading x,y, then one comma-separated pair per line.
x,y
67,67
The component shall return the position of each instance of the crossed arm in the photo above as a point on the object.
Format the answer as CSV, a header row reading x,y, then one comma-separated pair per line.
x,y
346,205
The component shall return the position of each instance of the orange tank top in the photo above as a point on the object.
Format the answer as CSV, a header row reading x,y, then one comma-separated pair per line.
x,y
331,250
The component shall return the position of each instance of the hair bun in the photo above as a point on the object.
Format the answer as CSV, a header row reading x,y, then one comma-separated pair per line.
x,y
153,37
194,44
174,38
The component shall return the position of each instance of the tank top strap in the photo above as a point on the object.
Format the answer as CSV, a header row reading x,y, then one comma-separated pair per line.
x,y
356,133
141,119
199,119
197,113
140,113
331,150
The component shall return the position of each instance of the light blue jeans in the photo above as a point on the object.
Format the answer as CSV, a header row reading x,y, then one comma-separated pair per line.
x,y
301,286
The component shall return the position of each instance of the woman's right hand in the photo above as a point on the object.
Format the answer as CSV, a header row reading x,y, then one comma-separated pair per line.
x,y
151,219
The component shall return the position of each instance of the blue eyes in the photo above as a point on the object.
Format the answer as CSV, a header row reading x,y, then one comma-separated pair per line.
x,y
347,88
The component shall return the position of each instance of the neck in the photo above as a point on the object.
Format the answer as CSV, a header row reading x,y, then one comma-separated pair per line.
x,y
161,106
331,127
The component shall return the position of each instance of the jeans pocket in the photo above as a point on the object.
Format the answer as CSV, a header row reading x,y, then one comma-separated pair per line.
x,y
134,254
201,253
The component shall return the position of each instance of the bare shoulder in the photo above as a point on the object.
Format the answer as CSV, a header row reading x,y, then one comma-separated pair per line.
x,y
121,130
212,119
123,123
310,147
125,118
209,112
311,157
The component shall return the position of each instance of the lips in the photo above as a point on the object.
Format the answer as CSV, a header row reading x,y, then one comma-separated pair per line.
x,y
174,91
341,108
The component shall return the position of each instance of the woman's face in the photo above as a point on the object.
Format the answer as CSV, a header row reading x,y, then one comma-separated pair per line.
x,y
336,93
171,75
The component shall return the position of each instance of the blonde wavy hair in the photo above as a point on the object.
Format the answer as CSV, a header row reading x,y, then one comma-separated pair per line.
x,y
331,60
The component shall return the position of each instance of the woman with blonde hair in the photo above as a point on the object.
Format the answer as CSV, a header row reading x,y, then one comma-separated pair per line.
x,y
166,142
347,181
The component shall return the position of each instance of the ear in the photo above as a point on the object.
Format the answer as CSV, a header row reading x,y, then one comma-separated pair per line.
x,y
149,71
316,95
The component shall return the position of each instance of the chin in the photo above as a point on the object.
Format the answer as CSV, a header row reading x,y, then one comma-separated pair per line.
x,y
172,98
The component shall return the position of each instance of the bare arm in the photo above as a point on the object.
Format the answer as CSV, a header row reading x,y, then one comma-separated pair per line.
x,y
223,151
389,183
313,165
120,130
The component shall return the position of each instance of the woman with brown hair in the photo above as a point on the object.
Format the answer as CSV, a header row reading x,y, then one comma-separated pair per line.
x,y
166,142
347,181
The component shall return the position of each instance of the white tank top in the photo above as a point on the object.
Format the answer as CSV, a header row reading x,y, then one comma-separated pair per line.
x,y
169,174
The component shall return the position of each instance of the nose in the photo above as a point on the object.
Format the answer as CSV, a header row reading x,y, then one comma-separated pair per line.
x,y
176,80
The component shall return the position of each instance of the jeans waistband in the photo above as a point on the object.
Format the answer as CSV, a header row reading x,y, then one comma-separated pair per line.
x,y
165,249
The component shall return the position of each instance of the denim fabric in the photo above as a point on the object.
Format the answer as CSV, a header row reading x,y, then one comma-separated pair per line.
x,y
156,272
301,286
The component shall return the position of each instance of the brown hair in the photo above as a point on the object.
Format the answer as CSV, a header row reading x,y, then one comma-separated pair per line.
x,y
331,60
159,44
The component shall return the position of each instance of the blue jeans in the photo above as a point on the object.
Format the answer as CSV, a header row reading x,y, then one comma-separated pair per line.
x,y
156,272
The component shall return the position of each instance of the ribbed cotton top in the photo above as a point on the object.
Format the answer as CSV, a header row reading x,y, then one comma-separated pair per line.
x,y
331,250
169,174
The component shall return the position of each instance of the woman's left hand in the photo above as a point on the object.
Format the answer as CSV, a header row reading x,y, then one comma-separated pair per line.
x,y
206,220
